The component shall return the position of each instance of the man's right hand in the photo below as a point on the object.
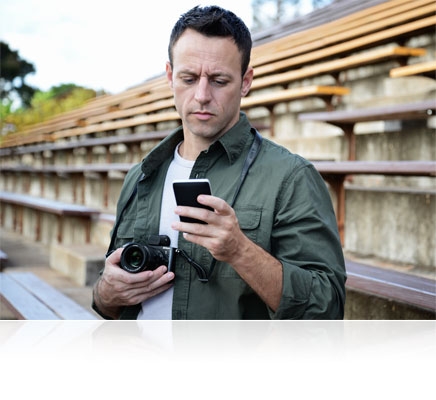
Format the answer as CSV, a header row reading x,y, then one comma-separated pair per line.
x,y
117,288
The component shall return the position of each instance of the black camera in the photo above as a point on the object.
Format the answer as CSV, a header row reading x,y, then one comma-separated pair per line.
x,y
137,257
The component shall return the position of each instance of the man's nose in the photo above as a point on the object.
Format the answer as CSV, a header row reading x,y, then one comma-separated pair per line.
x,y
203,91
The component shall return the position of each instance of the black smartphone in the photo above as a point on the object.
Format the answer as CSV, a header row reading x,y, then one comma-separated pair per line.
x,y
187,191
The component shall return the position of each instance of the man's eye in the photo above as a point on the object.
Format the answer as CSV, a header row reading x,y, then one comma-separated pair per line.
x,y
219,82
188,80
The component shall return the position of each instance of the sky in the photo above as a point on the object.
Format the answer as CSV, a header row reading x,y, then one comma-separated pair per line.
x,y
100,44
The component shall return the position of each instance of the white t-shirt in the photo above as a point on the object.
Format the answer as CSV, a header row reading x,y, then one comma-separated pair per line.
x,y
160,306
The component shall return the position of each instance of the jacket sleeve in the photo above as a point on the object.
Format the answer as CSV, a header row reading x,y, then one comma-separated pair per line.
x,y
305,239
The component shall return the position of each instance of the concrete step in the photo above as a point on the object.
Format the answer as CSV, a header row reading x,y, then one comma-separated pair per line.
x,y
80,262
101,229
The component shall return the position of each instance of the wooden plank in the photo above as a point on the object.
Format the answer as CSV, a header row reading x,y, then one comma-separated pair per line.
x,y
325,35
63,171
158,95
427,68
335,66
360,43
113,125
61,305
91,142
138,110
346,119
268,98
398,168
274,97
47,205
338,29
393,285
21,301
96,106
417,110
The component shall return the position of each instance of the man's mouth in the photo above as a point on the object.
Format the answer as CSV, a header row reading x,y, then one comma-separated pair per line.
x,y
202,115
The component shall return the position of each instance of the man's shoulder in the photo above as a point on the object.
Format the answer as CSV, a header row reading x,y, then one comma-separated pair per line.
x,y
278,154
134,173
131,179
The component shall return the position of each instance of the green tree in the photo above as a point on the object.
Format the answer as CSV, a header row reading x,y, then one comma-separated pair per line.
x,y
35,105
13,71
44,105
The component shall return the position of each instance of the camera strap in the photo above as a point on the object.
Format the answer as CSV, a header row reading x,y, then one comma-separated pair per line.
x,y
251,156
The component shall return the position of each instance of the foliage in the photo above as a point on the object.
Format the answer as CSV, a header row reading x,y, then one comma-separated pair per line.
x,y
45,105
14,70
35,106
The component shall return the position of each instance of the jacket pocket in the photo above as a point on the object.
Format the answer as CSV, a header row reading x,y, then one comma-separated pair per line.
x,y
249,220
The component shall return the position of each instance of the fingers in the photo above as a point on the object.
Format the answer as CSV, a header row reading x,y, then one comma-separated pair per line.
x,y
221,235
220,207
121,288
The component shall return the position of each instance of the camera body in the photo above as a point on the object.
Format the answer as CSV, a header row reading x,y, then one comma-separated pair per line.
x,y
137,256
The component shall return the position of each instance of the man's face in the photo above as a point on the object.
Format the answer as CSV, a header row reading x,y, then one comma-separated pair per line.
x,y
207,84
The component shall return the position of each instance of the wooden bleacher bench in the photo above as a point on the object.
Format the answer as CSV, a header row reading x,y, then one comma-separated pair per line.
x,y
108,122
346,48
29,297
87,143
254,100
334,67
154,103
151,107
60,209
384,23
331,28
335,173
77,122
63,170
425,68
393,29
162,93
327,20
393,285
78,174
151,119
270,99
347,119
75,118
274,97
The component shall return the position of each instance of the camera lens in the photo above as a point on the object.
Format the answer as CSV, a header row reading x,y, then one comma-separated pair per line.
x,y
133,258
136,257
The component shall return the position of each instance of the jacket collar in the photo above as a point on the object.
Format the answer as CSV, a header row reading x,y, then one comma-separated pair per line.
x,y
235,140
233,143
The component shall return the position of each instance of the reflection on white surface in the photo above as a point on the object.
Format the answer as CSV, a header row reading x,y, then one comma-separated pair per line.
x,y
209,357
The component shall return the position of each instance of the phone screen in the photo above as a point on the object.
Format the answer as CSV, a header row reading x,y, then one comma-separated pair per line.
x,y
186,193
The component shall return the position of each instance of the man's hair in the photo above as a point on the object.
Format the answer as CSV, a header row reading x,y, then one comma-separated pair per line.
x,y
214,21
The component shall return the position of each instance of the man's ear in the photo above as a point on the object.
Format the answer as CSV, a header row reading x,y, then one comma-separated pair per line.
x,y
247,80
169,73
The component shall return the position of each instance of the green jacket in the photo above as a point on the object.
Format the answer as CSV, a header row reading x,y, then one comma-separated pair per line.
x,y
283,206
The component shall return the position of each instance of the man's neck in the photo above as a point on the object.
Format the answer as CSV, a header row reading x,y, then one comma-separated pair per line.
x,y
190,151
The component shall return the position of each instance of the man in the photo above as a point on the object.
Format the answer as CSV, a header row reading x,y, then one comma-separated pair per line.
x,y
271,252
